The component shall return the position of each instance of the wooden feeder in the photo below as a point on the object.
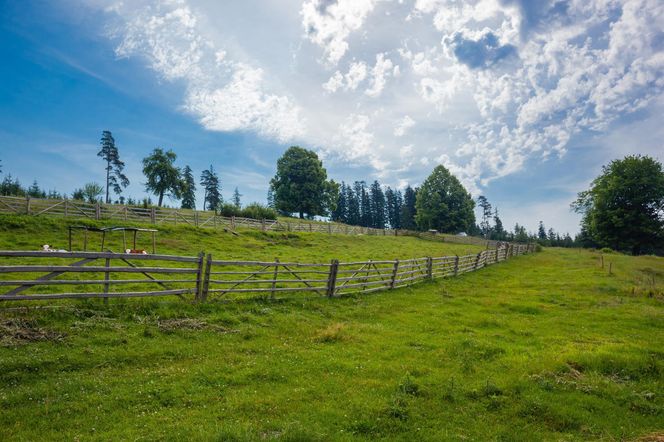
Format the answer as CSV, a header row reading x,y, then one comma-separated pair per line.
x,y
105,230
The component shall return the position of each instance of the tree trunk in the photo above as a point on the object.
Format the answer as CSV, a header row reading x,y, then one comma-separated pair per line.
x,y
301,214
161,198
108,172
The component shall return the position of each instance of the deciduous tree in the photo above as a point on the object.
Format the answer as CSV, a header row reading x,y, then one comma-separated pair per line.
x,y
624,207
444,204
163,178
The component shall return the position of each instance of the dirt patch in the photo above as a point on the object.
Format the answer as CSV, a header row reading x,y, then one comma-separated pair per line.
x,y
17,331
189,324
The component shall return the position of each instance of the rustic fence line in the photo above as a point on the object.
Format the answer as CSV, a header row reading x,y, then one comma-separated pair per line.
x,y
202,277
161,215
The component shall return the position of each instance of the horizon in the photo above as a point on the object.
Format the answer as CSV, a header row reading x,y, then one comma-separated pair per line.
x,y
523,103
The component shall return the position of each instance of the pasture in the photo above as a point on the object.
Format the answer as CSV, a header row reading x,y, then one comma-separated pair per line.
x,y
547,346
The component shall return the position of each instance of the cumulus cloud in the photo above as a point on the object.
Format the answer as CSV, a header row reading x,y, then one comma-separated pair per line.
x,y
328,23
234,97
403,125
492,84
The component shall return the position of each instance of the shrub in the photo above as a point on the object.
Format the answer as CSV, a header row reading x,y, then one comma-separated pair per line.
x,y
258,211
228,209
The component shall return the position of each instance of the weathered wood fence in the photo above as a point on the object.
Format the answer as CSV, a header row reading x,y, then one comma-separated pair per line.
x,y
201,278
161,215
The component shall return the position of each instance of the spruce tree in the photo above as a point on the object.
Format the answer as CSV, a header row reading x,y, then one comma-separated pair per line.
x,y
340,212
237,202
210,182
353,215
498,229
188,189
485,225
541,232
408,209
377,205
114,176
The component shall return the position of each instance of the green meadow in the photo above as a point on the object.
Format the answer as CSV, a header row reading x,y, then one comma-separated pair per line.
x,y
547,346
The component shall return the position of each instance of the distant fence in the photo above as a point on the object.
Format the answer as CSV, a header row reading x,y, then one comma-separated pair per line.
x,y
160,215
119,275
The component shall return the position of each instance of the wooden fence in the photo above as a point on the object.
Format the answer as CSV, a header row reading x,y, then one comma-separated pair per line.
x,y
160,215
202,277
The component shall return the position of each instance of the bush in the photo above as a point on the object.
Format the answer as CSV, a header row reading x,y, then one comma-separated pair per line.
x,y
253,210
258,211
228,209
606,250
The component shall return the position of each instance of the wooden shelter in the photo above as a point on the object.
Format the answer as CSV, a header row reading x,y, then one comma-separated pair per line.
x,y
104,230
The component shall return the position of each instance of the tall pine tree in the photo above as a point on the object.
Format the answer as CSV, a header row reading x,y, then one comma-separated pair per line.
x,y
114,176
188,189
210,183
377,204
237,202
408,209
340,212
353,215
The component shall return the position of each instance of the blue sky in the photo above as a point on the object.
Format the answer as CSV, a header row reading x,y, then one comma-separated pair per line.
x,y
523,101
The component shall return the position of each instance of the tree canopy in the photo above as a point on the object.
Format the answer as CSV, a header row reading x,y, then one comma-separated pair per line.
x,y
301,186
163,178
624,207
444,204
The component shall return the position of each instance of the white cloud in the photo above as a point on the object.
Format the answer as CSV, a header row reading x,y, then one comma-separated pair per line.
x,y
379,72
225,95
329,23
403,126
568,75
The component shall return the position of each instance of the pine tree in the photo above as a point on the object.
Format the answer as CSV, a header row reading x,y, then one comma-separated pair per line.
x,y
408,209
236,198
353,215
360,189
340,212
210,183
270,198
377,205
498,230
114,176
541,232
485,225
188,189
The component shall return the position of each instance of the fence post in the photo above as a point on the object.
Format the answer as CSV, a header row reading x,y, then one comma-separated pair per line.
x,y
329,228
206,278
477,261
274,277
97,211
395,270
429,267
332,279
456,265
153,215
199,278
196,219
263,224
27,204
106,278
66,209
497,250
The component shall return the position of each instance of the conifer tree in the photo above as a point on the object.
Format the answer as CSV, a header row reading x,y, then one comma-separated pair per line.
x,y
237,202
353,215
408,209
541,232
210,182
377,205
340,212
114,176
188,189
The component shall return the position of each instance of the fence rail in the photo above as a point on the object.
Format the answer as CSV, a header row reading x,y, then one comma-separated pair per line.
x,y
118,275
161,215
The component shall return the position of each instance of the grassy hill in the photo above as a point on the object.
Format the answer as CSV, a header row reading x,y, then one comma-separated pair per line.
x,y
547,346
30,233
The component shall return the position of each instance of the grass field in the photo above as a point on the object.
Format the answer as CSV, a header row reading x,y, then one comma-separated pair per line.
x,y
547,346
